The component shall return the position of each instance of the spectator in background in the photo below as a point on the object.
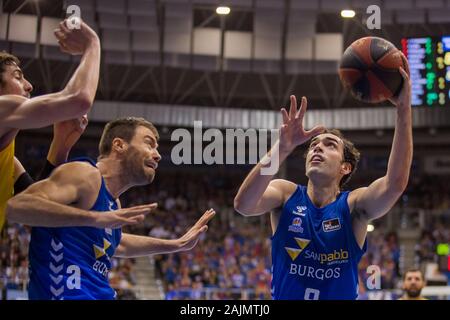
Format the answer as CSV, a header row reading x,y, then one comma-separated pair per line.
x,y
253,249
426,248
413,283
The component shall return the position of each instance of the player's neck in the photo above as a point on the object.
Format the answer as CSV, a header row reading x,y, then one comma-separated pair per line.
x,y
116,182
323,194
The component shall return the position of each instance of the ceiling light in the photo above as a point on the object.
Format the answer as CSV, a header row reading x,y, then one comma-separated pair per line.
x,y
347,13
223,10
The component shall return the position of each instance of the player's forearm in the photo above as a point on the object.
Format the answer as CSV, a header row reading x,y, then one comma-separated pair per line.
x,y
138,246
400,158
18,169
34,210
45,110
84,81
57,154
73,101
256,183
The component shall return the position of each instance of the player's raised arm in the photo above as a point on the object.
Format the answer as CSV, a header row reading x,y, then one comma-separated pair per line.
x,y
380,196
258,193
74,100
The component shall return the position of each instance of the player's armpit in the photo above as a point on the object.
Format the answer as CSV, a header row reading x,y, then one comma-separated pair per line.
x,y
375,200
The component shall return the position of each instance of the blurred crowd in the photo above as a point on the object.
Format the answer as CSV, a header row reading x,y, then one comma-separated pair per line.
x,y
430,238
14,242
428,192
232,260
383,251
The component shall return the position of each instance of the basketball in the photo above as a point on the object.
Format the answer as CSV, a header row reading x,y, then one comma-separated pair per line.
x,y
369,69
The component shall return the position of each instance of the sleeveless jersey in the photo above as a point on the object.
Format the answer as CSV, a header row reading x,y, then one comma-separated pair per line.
x,y
315,255
74,262
6,179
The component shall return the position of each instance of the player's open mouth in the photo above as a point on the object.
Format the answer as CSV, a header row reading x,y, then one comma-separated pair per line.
x,y
316,159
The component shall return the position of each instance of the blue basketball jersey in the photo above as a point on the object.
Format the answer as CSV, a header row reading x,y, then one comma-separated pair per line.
x,y
315,255
74,262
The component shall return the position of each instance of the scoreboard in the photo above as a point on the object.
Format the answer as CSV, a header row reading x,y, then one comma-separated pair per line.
x,y
429,64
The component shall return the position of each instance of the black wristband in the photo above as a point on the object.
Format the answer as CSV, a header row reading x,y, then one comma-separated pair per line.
x,y
46,170
23,182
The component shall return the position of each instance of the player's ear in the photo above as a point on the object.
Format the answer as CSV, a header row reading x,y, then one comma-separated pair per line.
x,y
119,145
346,168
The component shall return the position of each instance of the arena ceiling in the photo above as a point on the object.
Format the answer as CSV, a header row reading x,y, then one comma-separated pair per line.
x,y
182,52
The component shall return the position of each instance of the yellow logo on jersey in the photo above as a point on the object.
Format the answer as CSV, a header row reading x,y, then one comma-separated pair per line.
x,y
302,243
335,256
294,252
100,252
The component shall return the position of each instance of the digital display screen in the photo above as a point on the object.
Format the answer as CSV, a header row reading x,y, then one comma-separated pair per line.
x,y
429,64
443,249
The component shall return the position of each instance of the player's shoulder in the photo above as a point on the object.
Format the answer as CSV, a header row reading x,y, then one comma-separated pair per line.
x,y
7,136
8,105
354,195
287,188
283,184
79,166
9,102
77,171
82,175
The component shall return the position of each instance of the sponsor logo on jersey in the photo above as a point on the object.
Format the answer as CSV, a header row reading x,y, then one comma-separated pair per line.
x,y
331,225
335,257
101,251
294,252
296,225
300,211
315,273
102,267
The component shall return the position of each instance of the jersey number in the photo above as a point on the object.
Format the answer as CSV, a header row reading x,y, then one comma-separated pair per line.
x,y
311,294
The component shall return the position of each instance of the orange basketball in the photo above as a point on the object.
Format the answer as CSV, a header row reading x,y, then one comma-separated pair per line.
x,y
369,69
